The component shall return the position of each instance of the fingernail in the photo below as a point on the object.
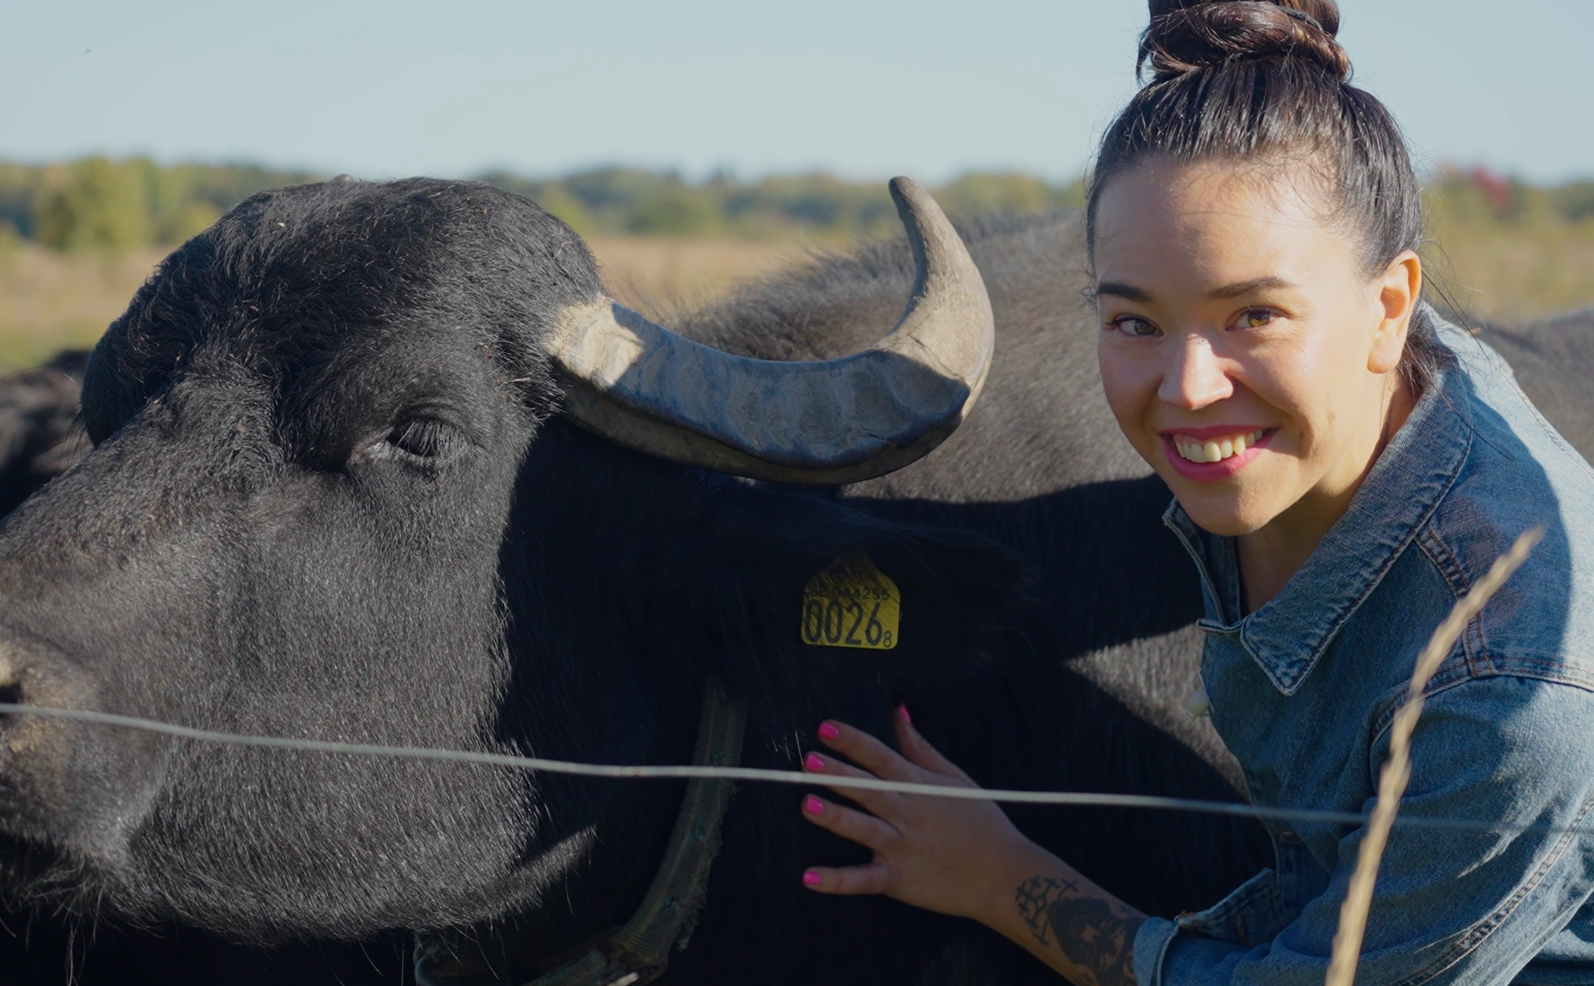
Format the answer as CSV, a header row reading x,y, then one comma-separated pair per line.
x,y
814,762
828,731
903,708
813,805
810,878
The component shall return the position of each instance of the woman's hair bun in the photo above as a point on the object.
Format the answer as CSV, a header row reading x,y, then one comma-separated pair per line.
x,y
1190,35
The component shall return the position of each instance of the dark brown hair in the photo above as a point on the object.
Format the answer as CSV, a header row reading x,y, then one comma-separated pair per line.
x,y
1245,80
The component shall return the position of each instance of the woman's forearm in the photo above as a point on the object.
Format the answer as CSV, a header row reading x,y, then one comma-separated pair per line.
x,y
1071,924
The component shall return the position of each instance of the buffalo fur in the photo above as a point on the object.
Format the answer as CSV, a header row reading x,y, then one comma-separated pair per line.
x,y
331,497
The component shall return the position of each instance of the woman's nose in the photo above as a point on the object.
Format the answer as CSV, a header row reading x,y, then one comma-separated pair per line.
x,y
1196,377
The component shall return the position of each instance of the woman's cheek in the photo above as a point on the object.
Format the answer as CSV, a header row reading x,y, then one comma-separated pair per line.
x,y
1288,378
1130,390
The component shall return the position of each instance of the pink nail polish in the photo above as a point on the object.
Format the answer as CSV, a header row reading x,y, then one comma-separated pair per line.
x,y
828,731
810,878
813,805
903,708
814,762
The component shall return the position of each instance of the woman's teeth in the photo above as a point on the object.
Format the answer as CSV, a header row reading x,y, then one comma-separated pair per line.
x,y
1215,450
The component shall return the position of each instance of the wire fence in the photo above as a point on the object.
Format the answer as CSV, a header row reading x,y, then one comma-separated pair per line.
x,y
1354,911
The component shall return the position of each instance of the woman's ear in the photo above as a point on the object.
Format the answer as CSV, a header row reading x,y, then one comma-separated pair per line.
x,y
1399,290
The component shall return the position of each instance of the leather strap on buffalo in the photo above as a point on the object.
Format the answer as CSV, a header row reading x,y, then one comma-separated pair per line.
x,y
640,950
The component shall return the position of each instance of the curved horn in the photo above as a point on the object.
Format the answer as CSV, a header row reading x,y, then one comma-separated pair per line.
x,y
829,421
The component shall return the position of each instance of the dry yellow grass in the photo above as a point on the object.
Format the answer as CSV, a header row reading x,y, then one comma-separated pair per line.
x,y
1512,275
51,300
660,275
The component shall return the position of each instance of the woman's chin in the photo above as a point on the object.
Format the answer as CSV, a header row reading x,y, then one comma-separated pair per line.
x,y
1222,513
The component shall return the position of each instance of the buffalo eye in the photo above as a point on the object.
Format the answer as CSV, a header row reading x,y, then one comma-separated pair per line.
x,y
425,440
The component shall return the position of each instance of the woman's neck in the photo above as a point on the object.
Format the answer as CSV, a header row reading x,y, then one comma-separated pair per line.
x,y
1270,557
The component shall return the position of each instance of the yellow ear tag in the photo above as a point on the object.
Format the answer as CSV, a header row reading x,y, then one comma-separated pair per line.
x,y
851,604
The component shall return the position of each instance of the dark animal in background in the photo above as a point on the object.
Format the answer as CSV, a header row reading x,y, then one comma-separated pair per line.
x,y
37,439
506,580
1554,363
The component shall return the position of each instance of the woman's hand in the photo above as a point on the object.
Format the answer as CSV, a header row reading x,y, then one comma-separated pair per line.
x,y
944,854
964,858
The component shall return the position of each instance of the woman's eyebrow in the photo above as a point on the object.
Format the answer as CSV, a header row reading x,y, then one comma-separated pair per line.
x,y
1239,288
1118,289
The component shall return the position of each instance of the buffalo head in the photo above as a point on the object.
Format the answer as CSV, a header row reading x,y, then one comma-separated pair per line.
x,y
381,463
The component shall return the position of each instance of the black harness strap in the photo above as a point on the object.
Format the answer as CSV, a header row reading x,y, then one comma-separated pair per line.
x,y
640,950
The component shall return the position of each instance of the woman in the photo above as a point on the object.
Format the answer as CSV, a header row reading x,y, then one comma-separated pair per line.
x,y
1344,467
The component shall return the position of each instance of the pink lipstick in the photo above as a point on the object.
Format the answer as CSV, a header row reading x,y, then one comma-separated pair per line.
x,y
1226,448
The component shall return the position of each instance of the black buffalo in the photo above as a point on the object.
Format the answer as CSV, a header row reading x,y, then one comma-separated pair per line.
x,y
234,554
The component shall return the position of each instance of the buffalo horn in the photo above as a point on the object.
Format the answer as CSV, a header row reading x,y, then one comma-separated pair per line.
x,y
828,421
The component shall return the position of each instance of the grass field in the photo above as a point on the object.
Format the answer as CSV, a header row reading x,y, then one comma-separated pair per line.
x,y
1512,275
50,300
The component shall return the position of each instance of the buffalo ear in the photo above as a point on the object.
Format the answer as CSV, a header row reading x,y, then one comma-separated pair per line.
x,y
759,553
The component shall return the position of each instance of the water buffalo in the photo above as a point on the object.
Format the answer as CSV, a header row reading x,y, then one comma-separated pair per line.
x,y
335,494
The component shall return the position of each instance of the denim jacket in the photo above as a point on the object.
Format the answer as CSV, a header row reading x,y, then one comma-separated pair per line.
x,y
1303,690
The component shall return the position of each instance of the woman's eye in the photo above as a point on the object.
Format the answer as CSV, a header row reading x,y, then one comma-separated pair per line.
x,y
1134,326
1256,318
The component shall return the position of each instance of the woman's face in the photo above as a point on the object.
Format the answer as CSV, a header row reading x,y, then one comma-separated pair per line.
x,y
1244,350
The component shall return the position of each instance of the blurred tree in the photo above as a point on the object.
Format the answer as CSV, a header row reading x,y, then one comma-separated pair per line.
x,y
18,183
818,202
677,209
1575,201
117,204
93,203
557,199
978,193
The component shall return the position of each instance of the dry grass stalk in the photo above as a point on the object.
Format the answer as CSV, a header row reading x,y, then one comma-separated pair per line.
x,y
1397,770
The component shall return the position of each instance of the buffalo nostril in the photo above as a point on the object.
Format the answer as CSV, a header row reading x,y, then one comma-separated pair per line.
x,y
10,684
10,694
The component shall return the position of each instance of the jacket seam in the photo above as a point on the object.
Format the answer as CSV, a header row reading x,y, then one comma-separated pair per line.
x,y
1440,686
1473,937
1473,642
1381,726
1371,585
1443,560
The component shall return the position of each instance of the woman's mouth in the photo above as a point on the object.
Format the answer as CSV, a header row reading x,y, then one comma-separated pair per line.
x,y
1216,452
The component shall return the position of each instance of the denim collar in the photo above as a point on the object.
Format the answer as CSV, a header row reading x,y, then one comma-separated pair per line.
x,y
1288,634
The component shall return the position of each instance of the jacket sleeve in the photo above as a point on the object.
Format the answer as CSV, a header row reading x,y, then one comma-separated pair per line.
x,y
1452,907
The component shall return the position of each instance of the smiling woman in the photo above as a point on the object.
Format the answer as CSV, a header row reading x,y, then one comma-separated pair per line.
x,y
1237,323
1345,466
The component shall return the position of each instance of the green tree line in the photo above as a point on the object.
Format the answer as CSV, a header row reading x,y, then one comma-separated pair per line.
x,y
97,202
101,203
119,204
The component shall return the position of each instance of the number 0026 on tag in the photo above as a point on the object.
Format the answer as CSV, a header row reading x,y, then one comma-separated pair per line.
x,y
851,604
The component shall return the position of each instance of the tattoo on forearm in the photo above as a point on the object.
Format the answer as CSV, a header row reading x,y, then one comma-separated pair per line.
x,y
1090,932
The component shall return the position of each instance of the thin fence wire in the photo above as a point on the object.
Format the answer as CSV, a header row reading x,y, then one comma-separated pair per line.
x,y
1076,799
1353,911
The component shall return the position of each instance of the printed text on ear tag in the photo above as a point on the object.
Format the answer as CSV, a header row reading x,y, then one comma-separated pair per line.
x,y
851,604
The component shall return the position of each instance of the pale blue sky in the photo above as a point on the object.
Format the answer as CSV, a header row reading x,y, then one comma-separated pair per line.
x,y
860,87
